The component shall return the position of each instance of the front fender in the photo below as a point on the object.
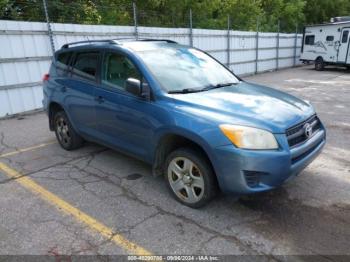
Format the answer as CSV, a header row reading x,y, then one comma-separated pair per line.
x,y
194,137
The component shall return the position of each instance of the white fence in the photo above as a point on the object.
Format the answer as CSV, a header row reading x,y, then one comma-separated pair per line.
x,y
25,53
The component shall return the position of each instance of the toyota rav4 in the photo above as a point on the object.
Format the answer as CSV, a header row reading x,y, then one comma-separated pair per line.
x,y
180,110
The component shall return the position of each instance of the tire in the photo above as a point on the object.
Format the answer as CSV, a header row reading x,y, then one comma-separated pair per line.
x,y
65,134
190,178
319,64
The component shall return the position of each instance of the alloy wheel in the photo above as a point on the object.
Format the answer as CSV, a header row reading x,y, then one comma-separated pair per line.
x,y
186,180
63,132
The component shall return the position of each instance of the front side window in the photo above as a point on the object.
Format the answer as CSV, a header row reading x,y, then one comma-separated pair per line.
x,y
178,68
344,39
117,69
310,40
85,64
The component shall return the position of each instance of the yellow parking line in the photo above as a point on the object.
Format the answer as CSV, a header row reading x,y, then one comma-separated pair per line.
x,y
27,149
76,213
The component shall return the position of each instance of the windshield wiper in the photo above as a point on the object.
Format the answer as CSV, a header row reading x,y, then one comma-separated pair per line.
x,y
206,88
184,91
210,87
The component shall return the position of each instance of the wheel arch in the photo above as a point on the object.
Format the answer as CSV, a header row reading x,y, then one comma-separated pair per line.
x,y
170,141
54,107
319,57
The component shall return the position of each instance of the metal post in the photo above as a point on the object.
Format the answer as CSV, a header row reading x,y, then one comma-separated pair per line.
x,y
228,40
257,46
136,33
49,29
295,45
278,45
191,33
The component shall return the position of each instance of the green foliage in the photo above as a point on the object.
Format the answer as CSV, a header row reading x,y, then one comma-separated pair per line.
x,y
213,14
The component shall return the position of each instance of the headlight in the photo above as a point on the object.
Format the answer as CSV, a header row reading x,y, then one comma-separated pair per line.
x,y
249,137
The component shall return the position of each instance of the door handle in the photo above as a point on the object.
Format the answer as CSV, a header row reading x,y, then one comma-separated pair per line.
x,y
99,99
63,89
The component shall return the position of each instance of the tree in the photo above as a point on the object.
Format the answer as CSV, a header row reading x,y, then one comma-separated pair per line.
x,y
175,13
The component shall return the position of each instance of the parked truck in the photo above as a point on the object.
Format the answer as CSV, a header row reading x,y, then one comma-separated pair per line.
x,y
327,44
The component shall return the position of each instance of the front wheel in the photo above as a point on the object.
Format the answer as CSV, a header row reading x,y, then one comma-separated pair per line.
x,y
190,178
65,134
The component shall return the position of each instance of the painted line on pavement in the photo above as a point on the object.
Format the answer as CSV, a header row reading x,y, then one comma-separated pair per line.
x,y
27,149
79,215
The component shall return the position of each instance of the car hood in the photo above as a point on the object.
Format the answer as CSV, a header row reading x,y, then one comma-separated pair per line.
x,y
246,104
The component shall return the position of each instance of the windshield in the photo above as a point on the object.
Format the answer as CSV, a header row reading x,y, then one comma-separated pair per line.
x,y
181,68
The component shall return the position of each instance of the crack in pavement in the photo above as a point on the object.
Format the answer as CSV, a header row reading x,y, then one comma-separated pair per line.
x,y
132,196
48,167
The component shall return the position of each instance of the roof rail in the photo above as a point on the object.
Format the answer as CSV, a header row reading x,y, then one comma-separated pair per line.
x,y
161,40
109,41
115,41
144,40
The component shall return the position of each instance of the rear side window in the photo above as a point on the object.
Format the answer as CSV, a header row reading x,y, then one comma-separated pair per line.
x,y
344,39
85,64
310,40
329,38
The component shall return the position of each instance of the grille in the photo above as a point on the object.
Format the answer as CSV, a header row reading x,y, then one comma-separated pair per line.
x,y
296,134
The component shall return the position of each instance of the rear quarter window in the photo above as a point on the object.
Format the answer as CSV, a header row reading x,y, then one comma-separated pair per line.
x,y
63,58
62,63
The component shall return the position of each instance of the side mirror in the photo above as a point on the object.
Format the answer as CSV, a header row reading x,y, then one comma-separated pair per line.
x,y
133,86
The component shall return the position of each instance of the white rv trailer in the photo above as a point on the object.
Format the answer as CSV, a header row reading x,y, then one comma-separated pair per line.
x,y
327,44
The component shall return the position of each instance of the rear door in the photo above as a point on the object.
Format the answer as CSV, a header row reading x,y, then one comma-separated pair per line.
x,y
79,98
343,51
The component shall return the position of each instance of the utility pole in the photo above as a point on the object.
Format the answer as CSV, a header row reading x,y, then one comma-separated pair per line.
x,y
278,45
191,31
228,40
134,8
257,46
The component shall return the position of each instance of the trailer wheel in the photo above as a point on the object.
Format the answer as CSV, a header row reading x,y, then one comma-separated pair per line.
x,y
319,64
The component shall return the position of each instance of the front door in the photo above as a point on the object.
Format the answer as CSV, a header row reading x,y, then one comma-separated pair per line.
x,y
344,46
124,120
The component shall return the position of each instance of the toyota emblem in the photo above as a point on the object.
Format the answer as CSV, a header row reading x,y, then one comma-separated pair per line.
x,y
307,130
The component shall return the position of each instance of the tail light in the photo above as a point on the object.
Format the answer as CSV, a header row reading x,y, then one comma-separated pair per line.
x,y
46,77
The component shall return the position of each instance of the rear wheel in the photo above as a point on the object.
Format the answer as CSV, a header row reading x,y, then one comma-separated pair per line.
x,y
190,178
319,64
65,134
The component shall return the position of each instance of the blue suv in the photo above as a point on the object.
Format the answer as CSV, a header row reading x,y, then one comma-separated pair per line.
x,y
180,110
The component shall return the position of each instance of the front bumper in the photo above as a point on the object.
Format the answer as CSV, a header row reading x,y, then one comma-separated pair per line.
x,y
242,171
